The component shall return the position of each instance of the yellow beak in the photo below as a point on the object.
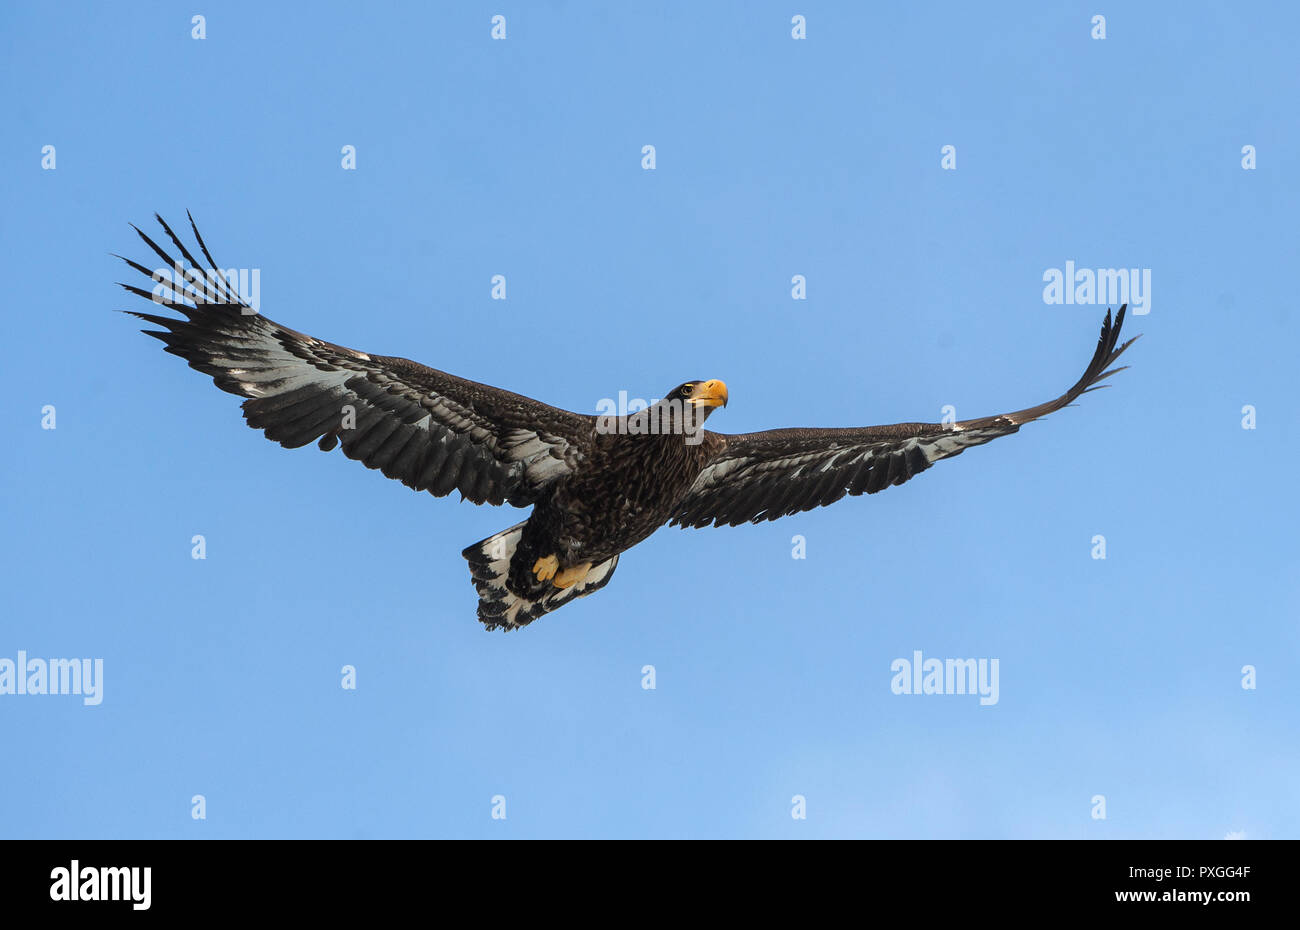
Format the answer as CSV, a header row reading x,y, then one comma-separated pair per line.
x,y
710,394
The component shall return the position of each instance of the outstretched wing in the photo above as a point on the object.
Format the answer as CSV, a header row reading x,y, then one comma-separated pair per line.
x,y
430,430
763,476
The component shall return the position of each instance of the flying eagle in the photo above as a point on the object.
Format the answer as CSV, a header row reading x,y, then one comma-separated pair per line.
x,y
597,485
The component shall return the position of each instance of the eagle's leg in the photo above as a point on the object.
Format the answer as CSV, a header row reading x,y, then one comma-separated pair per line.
x,y
546,568
571,576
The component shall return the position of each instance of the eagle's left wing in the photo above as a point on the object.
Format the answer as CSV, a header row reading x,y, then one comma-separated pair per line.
x,y
428,429
763,476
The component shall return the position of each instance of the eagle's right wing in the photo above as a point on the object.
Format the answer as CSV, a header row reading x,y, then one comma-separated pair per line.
x,y
763,476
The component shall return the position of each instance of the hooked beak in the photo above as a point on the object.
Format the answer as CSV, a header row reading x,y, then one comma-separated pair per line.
x,y
710,394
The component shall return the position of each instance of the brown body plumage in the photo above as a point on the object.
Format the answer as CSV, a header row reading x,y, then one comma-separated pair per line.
x,y
629,486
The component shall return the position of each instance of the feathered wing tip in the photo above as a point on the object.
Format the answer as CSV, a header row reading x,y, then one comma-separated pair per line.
x,y
200,285
1107,352
1101,367
217,321
498,606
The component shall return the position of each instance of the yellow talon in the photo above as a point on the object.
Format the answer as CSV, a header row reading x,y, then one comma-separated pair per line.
x,y
571,576
546,568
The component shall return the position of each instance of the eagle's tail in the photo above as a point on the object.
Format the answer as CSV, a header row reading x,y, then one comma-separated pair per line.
x,y
489,563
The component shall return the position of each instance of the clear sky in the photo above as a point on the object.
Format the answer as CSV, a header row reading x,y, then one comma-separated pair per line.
x,y
1119,677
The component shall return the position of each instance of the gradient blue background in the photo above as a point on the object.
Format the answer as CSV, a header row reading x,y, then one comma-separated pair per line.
x,y
775,157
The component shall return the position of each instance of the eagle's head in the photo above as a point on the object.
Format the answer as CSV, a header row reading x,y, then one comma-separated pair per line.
x,y
684,409
701,395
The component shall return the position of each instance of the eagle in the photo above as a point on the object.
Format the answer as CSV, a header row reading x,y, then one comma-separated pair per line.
x,y
597,485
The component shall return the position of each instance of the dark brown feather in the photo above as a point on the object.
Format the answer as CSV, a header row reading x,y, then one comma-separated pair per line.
x,y
298,390
771,474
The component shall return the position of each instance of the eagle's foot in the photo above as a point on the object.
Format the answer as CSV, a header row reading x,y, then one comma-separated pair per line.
x,y
571,576
546,568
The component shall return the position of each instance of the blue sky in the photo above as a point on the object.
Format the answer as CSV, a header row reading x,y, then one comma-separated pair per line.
x,y
775,157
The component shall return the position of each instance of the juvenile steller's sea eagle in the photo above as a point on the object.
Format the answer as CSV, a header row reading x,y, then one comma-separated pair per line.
x,y
597,485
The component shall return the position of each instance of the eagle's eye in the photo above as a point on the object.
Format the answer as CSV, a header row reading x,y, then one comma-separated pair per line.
x,y
686,390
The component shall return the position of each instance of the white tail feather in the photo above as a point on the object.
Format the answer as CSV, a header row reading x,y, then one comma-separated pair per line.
x,y
489,563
